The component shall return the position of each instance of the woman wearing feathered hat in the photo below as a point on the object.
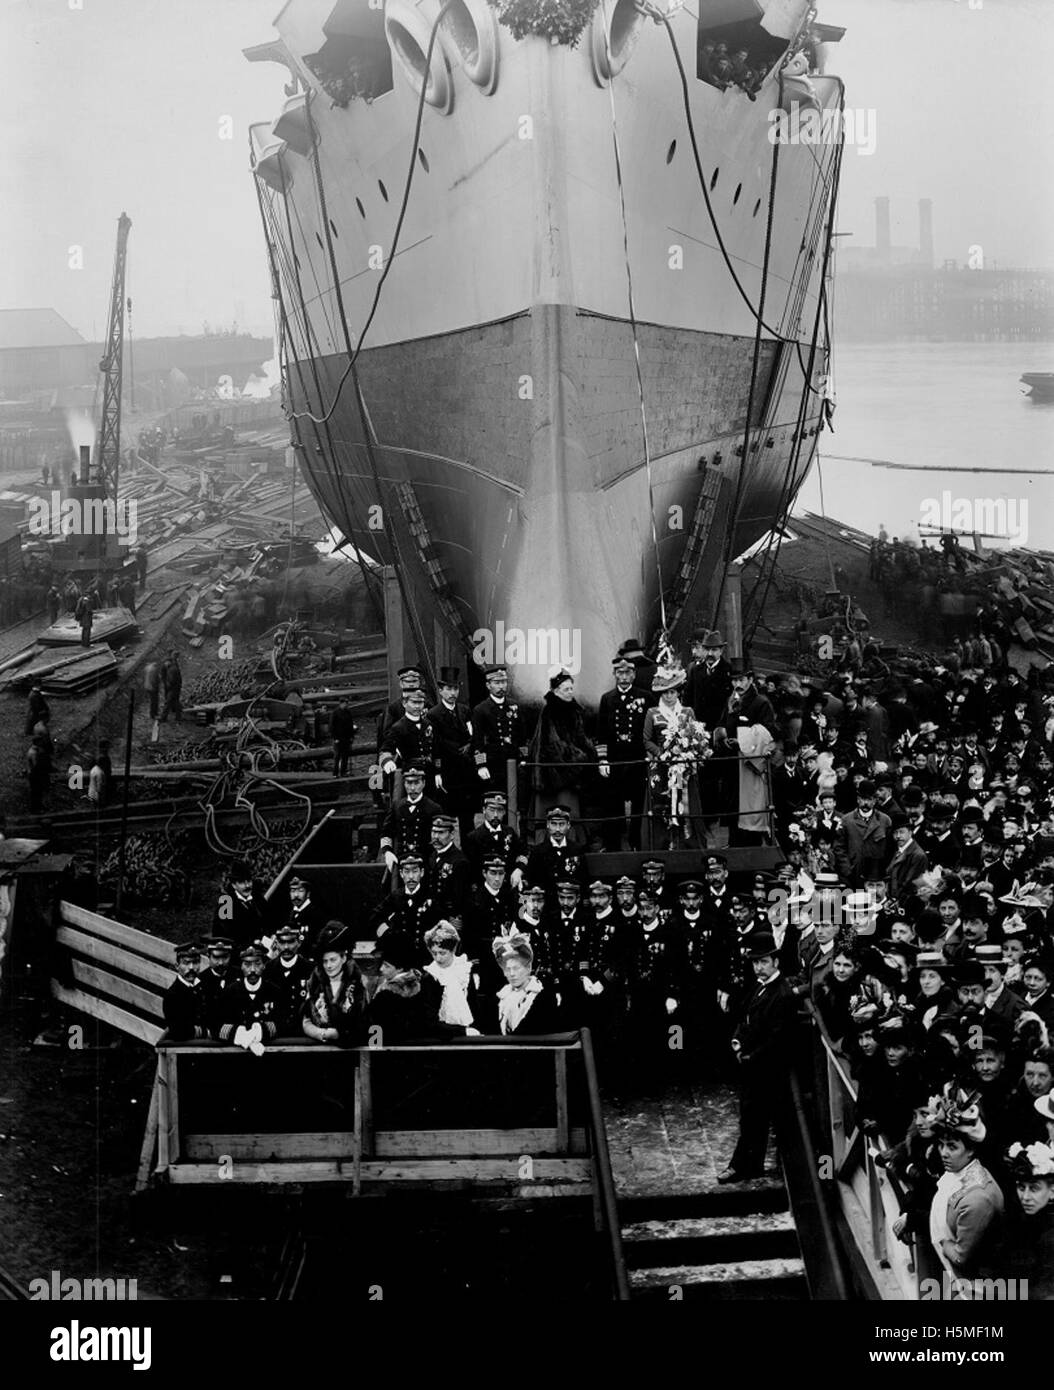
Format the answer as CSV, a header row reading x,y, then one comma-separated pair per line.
x,y
526,1006
450,982
336,992
676,744
1026,1252
967,1209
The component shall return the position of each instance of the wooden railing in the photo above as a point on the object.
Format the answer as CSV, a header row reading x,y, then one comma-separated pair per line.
x,y
868,1196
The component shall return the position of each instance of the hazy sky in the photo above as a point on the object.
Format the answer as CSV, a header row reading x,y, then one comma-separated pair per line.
x,y
117,106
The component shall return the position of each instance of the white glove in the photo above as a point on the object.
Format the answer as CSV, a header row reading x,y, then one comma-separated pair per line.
x,y
388,768
391,861
671,1006
605,769
484,773
439,783
473,1033
516,878
241,1037
722,1000
257,1049
598,988
256,1033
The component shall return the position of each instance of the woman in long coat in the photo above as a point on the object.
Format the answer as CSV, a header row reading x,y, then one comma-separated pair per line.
x,y
336,992
526,1006
560,750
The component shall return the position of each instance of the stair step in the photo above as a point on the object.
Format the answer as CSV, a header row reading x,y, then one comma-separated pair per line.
x,y
746,1199
692,1227
714,1240
733,1279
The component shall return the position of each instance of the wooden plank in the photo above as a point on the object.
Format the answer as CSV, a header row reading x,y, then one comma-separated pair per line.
x,y
463,1143
261,1148
106,1013
135,940
504,1170
562,1123
173,1110
365,1136
163,1064
146,1154
122,990
84,945
299,853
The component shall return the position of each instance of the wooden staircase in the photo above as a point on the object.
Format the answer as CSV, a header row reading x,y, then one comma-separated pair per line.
x,y
714,1246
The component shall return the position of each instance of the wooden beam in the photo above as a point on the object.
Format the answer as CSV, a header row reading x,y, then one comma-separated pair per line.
x,y
561,1135
440,1171
263,1148
122,990
298,855
117,932
91,946
106,1013
146,1154
466,1143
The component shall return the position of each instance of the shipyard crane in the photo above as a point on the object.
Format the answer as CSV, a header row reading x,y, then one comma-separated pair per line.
x,y
107,465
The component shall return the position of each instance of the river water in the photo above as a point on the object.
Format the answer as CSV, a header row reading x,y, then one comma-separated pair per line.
x,y
941,405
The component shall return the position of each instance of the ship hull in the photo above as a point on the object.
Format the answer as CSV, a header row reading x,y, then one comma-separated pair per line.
x,y
516,480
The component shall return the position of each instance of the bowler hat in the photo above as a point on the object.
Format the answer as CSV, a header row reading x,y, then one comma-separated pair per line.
x,y
761,944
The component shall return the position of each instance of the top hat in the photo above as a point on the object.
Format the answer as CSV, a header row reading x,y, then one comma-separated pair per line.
x,y
449,675
741,666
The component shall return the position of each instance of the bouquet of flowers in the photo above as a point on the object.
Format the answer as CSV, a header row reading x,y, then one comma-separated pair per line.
x,y
685,746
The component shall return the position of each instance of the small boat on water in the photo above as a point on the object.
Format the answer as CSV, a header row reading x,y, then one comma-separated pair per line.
x,y
1041,384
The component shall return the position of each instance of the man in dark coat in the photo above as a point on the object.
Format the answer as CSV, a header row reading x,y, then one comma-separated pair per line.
x,y
37,709
289,974
448,873
241,911
621,754
407,827
498,732
249,1005
304,914
908,862
409,678
410,742
215,978
494,837
342,729
864,845
490,909
558,856
406,914
709,683
183,1004
763,1042
172,687
451,723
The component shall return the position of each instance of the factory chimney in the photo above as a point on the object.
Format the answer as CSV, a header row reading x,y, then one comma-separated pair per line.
x,y
85,463
882,238
926,232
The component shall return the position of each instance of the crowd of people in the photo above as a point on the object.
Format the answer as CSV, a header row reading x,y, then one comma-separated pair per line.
x,y
909,910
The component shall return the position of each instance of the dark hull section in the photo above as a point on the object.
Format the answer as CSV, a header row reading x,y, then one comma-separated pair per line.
x,y
510,467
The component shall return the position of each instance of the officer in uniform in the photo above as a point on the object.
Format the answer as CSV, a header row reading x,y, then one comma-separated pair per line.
x,y
448,873
409,678
493,836
498,731
626,899
304,914
215,978
653,874
183,1004
249,1007
407,828
451,723
410,742
557,856
656,990
490,910
289,973
621,754
406,914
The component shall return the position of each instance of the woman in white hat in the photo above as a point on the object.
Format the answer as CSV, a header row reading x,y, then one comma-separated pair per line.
x,y
967,1209
526,1007
673,809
